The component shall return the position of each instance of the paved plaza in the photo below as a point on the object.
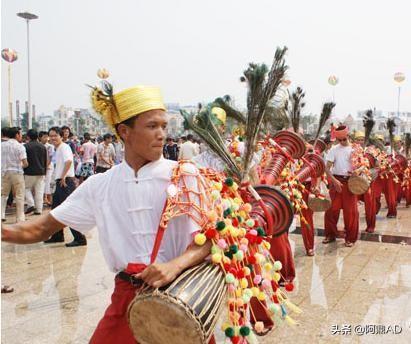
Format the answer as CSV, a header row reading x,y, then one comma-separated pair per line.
x,y
61,293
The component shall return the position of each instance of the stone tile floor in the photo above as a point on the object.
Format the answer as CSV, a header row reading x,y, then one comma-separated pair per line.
x,y
61,293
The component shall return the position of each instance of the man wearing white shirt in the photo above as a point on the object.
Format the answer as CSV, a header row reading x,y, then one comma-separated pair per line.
x,y
13,160
188,149
126,204
339,169
65,184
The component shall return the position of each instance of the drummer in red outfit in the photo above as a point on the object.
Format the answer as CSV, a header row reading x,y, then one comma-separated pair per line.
x,y
126,205
339,169
369,197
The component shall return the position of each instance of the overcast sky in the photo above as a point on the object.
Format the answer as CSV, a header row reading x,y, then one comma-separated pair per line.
x,y
197,50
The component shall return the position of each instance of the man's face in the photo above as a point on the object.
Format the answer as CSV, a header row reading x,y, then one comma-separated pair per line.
x,y
44,139
146,137
343,142
19,136
55,138
66,134
108,140
360,141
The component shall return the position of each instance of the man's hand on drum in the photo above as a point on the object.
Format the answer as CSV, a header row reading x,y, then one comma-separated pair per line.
x,y
160,274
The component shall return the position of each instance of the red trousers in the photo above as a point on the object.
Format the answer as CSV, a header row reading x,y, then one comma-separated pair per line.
x,y
307,229
370,205
346,201
281,250
113,328
389,188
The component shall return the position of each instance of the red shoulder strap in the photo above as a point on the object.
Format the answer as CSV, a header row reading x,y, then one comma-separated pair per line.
x,y
159,237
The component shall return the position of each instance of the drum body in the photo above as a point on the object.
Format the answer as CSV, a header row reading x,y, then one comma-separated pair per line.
x,y
186,311
358,185
317,204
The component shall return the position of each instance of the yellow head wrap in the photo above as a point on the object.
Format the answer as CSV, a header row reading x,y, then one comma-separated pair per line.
x,y
379,137
359,135
220,114
396,138
117,108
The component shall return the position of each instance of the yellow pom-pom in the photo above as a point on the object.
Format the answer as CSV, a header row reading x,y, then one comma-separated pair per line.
x,y
200,239
238,200
218,186
261,296
247,271
244,283
276,276
242,213
216,258
268,267
238,292
235,186
266,245
255,291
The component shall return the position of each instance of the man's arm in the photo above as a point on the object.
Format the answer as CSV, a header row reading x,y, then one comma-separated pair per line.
x,y
24,163
66,168
29,232
337,184
160,274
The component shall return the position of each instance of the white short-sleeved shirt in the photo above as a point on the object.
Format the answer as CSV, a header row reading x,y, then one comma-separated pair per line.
x,y
12,154
126,210
340,156
63,154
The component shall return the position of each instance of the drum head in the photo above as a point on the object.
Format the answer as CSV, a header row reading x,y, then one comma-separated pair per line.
x,y
358,185
174,326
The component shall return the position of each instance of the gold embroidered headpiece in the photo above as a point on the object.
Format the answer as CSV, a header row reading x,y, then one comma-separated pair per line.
x,y
118,107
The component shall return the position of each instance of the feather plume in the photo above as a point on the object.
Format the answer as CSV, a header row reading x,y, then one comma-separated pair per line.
x,y
261,89
390,125
202,124
407,144
226,104
297,103
103,103
324,117
369,122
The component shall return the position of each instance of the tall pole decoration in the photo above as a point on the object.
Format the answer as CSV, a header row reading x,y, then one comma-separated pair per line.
x,y
399,78
9,55
28,16
333,81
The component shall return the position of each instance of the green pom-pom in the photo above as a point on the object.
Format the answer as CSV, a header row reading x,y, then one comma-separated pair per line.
x,y
260,231
228,254
229,182
240,138
244,331
220,225
227,212
233,249
229,332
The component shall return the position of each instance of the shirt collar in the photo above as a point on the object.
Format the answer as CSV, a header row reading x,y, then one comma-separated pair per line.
x,y
130,173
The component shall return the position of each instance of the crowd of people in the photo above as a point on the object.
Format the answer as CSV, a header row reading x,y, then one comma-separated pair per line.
x,y
184,148
41,169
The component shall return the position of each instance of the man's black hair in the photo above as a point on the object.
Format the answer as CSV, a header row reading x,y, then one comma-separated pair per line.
x,y
58,130
33,134
13,132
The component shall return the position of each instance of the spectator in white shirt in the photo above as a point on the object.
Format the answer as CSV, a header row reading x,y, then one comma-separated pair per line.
x,y
44,138
188,149
65,184
13,160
